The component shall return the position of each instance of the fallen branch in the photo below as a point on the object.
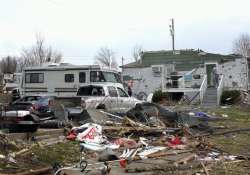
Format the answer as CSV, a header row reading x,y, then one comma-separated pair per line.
x,y
204,168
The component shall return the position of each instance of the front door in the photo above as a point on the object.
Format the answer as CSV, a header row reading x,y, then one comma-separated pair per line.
x,y
210,76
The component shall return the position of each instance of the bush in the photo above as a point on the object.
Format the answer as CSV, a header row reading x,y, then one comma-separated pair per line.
x,y
159,96
230,97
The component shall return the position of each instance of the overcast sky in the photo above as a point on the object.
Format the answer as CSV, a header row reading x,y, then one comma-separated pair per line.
x,y
78,28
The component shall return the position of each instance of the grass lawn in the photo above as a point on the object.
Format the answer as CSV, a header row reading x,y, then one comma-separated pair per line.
x,y
235,143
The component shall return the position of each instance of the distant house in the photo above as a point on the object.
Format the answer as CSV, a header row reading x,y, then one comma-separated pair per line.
x,y
11,81
186,72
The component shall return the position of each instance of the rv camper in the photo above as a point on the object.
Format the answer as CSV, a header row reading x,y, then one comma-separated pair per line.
x,y
64,80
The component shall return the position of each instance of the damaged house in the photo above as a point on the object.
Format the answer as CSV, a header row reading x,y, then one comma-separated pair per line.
x,y
187,74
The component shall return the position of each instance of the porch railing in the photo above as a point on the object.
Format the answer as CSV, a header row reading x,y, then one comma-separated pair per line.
x,y
220,89
203,88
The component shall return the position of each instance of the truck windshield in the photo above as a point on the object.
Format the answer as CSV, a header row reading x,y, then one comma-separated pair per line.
x,y
100,76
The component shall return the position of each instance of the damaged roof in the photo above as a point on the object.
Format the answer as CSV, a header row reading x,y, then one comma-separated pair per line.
x,y
183,59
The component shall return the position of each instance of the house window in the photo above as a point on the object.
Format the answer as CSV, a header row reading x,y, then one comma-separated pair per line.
x,y
82,77
112,91
34,78
69,78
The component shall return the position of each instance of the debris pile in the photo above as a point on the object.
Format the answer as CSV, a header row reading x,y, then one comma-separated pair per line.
x,y
148,138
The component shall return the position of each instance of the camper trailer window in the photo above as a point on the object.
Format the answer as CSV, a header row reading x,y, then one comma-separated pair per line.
x,y
110,77
82,77
34,78
99,76
96,76
69,78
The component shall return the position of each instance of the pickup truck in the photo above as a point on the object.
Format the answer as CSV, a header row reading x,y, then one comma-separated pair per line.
x,y
95,96
106,96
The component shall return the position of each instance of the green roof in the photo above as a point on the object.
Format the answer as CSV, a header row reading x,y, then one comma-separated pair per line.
x,y
184,60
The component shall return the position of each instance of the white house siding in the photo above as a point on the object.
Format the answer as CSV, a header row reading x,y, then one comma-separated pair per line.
x,y
235,74
144,80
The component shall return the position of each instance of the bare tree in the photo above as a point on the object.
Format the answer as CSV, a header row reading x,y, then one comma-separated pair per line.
x,y
38,54
8,64
242,45
106,57
137,51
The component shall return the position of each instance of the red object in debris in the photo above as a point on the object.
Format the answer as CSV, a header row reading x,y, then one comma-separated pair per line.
x,y
175,141
123,163
71,135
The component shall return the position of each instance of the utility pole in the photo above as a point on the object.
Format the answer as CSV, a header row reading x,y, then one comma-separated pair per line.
x,y
110,62
171,27
122,69
122,63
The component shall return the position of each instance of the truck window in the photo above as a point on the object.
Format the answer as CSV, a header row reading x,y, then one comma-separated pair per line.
x,y
34,78
122,93
91,91
112,91
82,77
69,78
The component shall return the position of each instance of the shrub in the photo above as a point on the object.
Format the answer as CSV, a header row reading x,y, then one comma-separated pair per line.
x,y
230,97
159,96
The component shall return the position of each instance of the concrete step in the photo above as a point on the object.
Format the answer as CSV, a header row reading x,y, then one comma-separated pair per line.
x,y
209,102
209,106
210,96
210,99
211,90
210,93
